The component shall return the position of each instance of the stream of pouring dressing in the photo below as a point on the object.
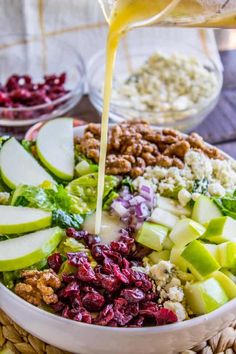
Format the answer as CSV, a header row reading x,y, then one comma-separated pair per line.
x,y
124,15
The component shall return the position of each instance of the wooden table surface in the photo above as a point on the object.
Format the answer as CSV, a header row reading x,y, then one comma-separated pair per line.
x,y
219,128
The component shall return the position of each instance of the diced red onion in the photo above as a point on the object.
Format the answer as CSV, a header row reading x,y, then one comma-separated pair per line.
x,y
119,208
142,211
136,200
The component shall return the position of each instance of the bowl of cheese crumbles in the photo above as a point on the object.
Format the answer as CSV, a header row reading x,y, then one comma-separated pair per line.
x,y
165,86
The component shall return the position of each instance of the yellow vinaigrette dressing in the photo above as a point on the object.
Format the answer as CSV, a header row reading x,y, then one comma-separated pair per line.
x,y
127,14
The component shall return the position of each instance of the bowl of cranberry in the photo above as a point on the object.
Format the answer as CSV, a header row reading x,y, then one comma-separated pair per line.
x,y
39,80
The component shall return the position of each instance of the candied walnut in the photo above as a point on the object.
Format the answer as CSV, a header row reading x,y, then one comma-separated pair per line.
x,y
130,158
164,161
38,286
115,138
177,163
95,129
133,147
197,142
172,132
178,149
116,165
149,158
138,168
90,147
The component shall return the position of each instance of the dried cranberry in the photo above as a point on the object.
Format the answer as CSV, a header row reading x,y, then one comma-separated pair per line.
x,y
108,282
165,316
55,262
67,278
105,316
74,258
91,240
119,275
85,271
93,301
137,322
133,295
71,289
58,307
78,235
67,313
98,251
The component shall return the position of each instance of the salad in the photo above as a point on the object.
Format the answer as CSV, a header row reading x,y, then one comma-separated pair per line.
x,y
167,247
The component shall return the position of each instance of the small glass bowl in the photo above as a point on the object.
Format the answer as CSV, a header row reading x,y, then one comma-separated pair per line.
x,y
34,57
130,60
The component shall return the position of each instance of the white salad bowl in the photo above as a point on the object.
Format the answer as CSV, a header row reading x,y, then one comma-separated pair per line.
x,y
83,338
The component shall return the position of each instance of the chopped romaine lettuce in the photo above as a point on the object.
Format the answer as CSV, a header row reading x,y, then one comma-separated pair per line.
x,y
42,198
65,220
227,204
85,189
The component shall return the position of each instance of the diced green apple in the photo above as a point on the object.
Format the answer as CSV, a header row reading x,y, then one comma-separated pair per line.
x,y
18,220
227,254
152,235
177,259
205,296
204,210
84,168
19,167
24,251
168,244
163,217
213,249
229,274
172,206
221,230
226,283
185,231
55,147
199,260
155,257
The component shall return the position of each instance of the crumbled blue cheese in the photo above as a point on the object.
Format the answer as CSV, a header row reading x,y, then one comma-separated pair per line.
x,y
166,83
177,308
220,174
161,271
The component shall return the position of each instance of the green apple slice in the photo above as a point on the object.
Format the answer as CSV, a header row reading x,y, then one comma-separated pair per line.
x,y
155,257
152,235
24,251
18,220
177,259
55,147
221,230
199,260
204,210
226,283
185,231
172,206
163,217
227,254
19,167
205,296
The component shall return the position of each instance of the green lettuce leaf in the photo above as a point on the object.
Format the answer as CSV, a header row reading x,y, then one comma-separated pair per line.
x,y
85,189
65,220
42,198
227,205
